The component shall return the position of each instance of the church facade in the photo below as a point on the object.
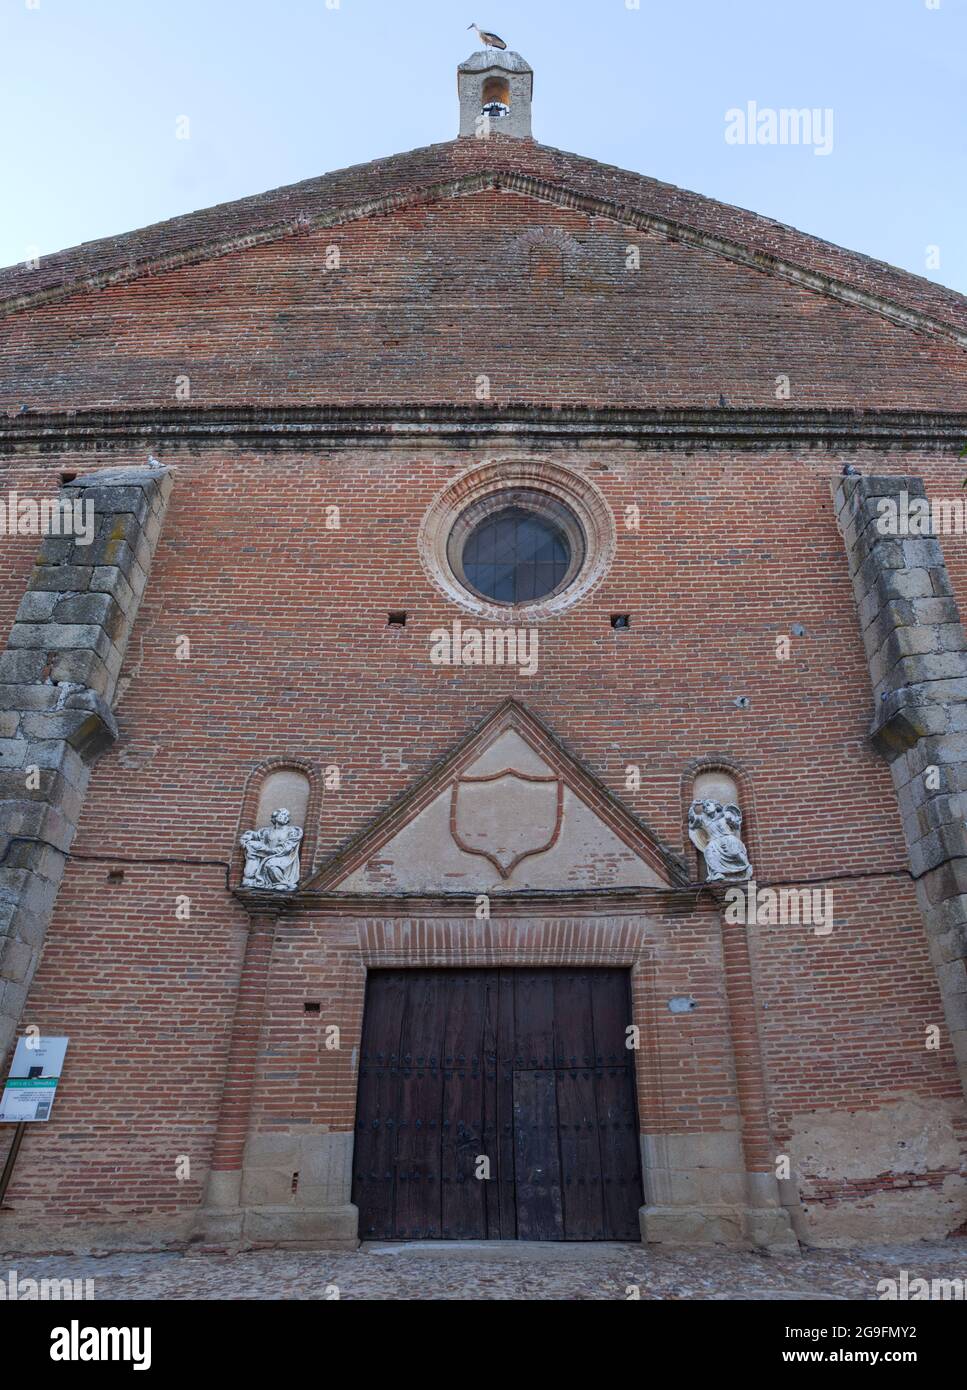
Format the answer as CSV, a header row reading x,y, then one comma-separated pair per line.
x,y
483,717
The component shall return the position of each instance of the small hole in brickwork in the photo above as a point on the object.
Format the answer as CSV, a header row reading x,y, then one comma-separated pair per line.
x,y
620,620
295,1182
115,875
67,477
312,1006
397,619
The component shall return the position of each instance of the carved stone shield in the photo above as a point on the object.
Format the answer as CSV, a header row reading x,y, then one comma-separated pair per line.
x,y
506,816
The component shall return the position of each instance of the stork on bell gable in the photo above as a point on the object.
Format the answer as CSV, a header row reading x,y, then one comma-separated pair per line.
x,y
498,84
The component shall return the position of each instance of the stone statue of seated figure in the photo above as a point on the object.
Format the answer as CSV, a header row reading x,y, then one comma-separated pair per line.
x,y
714,829
272,854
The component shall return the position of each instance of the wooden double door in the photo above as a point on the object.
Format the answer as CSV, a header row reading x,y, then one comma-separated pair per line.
x,y
497,1104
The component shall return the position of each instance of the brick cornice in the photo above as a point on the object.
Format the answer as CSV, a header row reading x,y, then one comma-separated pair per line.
x,y
602,902
421,424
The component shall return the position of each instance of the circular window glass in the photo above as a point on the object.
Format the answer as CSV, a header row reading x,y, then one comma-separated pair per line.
x,y
515,557
516,547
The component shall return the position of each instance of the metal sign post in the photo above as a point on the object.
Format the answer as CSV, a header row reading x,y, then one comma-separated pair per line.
x,y
7,1173
29,1093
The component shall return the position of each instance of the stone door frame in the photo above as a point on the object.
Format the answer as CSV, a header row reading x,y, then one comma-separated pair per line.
x,y
715,1186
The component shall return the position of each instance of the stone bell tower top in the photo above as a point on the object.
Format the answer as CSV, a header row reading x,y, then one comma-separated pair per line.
x,y
496,86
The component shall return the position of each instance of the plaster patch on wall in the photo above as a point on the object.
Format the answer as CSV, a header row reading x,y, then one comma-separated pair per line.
x,y
912,1135
893,1172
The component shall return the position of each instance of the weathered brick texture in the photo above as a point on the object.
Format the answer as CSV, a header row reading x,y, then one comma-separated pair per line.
x,y
452,168
539,300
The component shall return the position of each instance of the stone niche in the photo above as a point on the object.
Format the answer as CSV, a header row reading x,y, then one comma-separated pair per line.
x,y
287,787
715,785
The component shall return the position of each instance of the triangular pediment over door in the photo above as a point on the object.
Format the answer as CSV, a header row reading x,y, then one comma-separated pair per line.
x,y
508,810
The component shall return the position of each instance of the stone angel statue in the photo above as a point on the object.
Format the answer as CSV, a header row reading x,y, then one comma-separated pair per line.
x,y
272,854
714,830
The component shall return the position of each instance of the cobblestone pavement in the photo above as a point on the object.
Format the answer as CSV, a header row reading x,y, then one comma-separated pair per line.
x,y
501,1272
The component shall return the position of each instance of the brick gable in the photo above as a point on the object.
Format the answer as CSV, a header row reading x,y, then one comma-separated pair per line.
x,y
538,297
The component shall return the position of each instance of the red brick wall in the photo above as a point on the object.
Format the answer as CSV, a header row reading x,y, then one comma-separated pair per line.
x,y
29,477
429,298
146,1001
290,653
685,1079
843,1022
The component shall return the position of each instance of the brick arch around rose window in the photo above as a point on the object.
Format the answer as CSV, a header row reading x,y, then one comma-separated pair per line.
x,y
257,785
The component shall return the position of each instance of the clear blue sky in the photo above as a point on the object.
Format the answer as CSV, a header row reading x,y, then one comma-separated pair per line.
x,y
287,89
